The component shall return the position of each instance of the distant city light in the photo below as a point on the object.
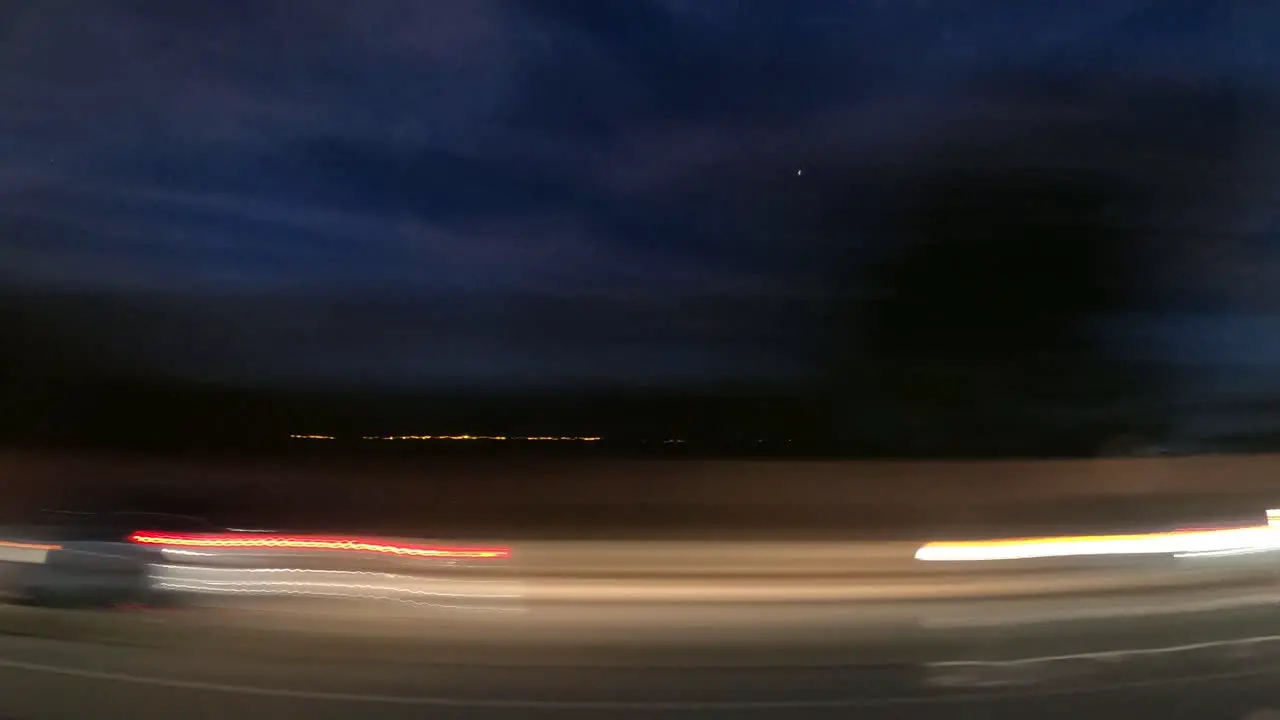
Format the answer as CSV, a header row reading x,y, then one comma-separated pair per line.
x,y
312,437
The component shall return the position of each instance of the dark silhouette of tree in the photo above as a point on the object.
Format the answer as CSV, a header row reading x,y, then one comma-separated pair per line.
x,y
988,308
975,331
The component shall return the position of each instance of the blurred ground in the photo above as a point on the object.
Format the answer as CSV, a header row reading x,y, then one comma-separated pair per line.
x,y
786,650
1099,669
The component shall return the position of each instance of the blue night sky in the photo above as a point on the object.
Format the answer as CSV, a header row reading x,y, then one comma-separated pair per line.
x,y
437,191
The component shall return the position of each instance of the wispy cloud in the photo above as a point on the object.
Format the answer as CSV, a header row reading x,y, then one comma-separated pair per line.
x,y
632,152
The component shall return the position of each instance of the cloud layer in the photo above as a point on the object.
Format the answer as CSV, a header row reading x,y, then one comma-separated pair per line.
x,y
428,154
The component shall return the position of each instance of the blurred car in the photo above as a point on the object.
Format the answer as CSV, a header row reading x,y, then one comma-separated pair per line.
x,y
115,559
88,559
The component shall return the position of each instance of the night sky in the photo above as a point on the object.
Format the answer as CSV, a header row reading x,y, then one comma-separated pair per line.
x,y
623,192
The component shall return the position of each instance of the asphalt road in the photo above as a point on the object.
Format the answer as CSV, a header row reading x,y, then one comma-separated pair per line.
x,y
45,679
1214,664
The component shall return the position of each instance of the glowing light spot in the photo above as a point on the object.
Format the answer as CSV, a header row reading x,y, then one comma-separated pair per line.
x,y
1186,542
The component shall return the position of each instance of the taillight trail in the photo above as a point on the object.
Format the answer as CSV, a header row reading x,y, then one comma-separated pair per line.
x,y
309,542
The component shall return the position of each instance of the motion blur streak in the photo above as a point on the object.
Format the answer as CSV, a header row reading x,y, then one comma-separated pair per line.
x,y
316,543
355,584
995,673
1234,540
338,591
28,546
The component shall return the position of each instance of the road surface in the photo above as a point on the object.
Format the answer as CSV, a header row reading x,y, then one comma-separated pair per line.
x,y
49,679
1211,659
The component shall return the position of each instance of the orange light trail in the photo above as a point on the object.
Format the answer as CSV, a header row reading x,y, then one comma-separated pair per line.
x,y
28,546
145,537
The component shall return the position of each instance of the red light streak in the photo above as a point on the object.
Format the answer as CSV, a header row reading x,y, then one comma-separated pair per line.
x,y
297,542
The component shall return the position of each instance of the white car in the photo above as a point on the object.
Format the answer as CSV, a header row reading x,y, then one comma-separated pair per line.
x,y
89,559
